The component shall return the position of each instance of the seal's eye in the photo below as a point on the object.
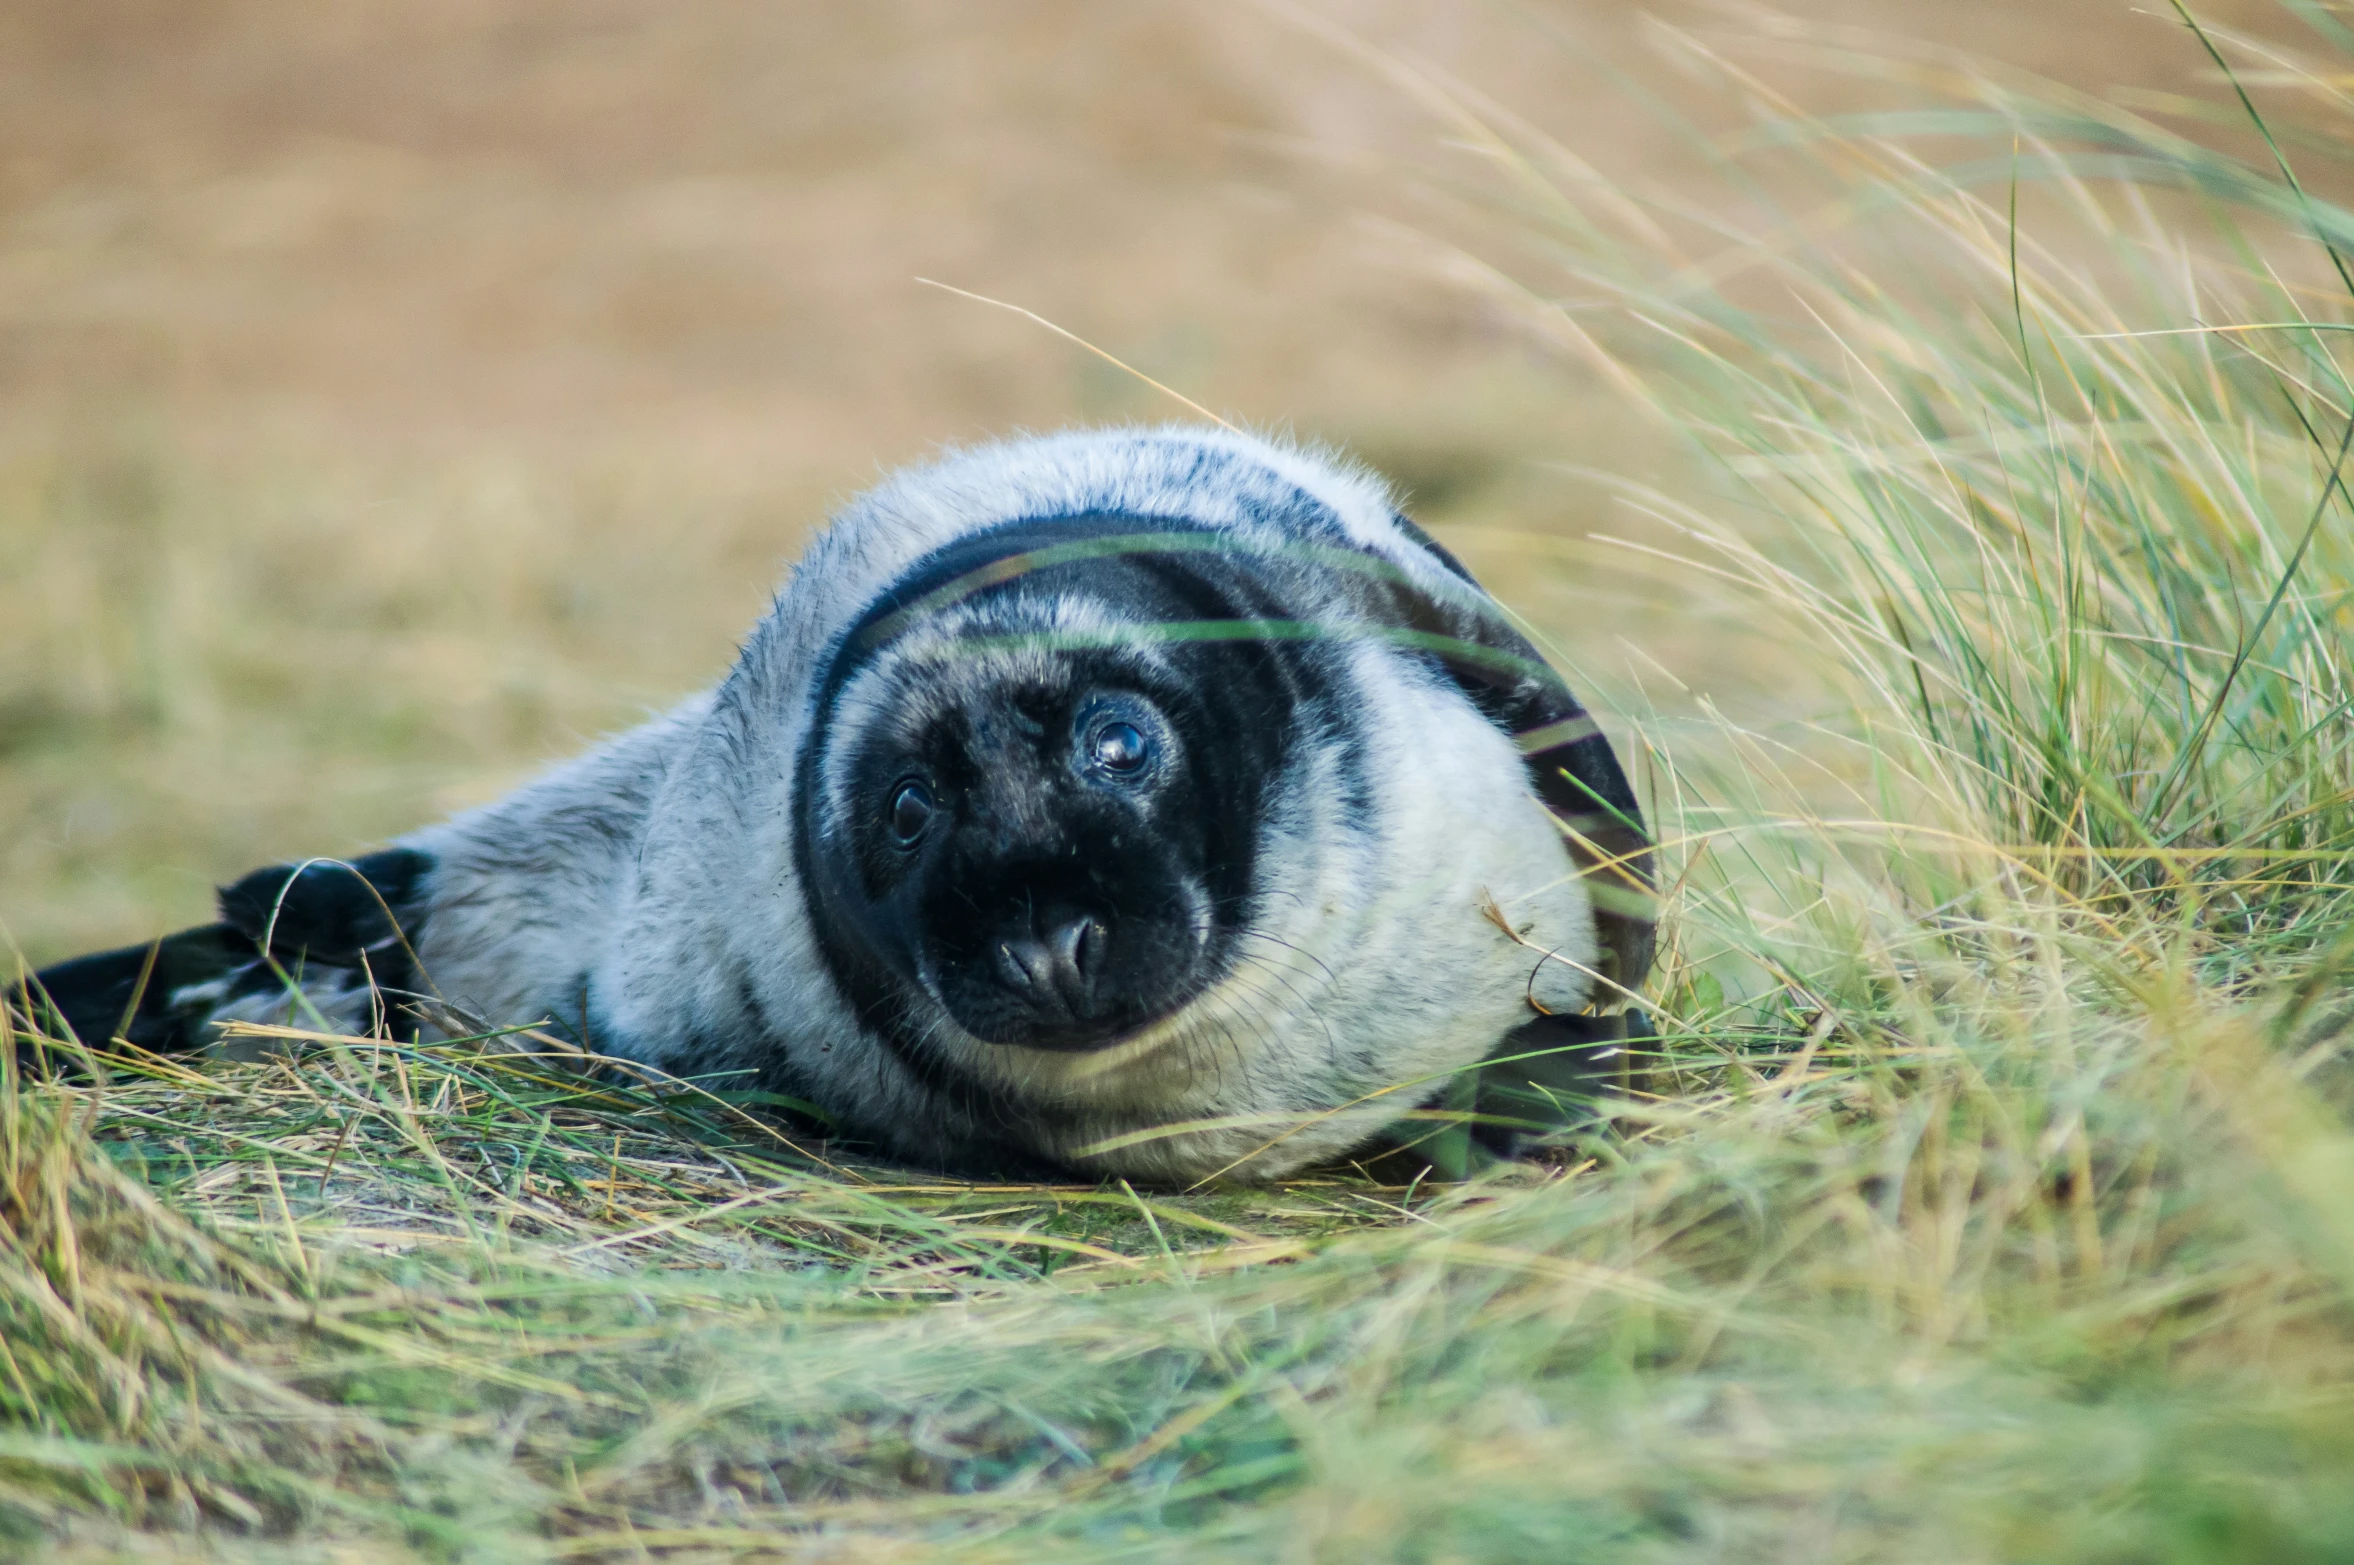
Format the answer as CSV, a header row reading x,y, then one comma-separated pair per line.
x,y
911,810
1118,747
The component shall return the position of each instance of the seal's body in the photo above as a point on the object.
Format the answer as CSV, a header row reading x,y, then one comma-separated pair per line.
x,y
1152,803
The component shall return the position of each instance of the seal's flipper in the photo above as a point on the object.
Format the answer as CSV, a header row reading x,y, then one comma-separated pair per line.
x,y
329,913
346,932
155,996
1546,1075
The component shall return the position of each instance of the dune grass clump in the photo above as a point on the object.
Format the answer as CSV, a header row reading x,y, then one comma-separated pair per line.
x,y
1990,1195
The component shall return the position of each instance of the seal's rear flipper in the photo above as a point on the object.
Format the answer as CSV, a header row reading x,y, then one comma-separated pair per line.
x,y
344,931
155,996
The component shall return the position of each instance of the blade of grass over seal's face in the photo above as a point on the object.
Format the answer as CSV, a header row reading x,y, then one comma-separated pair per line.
x,y
1449,619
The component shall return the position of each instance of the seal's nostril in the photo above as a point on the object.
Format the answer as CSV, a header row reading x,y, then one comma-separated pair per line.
x,y
1026,965
1078,946
1054,976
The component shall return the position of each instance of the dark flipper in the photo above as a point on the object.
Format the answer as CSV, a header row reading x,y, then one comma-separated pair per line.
x,y
1547,1073
366,914
127,993
1546,1078
355,923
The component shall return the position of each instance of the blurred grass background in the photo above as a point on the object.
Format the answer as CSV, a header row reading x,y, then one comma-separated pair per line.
x,y
395,396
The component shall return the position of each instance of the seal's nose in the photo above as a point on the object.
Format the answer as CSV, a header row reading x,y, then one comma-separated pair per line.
x,y
1055,974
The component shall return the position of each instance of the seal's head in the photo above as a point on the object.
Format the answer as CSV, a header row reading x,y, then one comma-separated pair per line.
x,y
1032,803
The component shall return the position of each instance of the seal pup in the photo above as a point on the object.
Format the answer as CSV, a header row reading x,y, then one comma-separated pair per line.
x,y
1154,803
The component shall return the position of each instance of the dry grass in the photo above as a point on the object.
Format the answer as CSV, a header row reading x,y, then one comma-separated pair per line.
x,y
1989,1200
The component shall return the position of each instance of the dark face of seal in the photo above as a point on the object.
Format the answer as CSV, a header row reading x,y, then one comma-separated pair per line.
x,y
1045,858
1054,847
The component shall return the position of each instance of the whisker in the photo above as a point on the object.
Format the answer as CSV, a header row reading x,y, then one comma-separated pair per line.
x,y
1323,966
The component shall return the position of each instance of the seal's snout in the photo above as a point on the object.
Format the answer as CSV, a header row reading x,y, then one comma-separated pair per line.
x,y
1055,973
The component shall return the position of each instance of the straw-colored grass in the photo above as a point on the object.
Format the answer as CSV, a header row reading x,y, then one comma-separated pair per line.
x,y
1992,1197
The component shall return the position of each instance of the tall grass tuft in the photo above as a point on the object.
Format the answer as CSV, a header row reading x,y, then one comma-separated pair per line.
x,y
1991,1197
2055,467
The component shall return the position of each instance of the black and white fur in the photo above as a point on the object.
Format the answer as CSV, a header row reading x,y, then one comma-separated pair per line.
x,y
1282,924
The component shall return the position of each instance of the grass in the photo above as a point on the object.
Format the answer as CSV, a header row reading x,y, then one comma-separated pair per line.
x,y
1992,1196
